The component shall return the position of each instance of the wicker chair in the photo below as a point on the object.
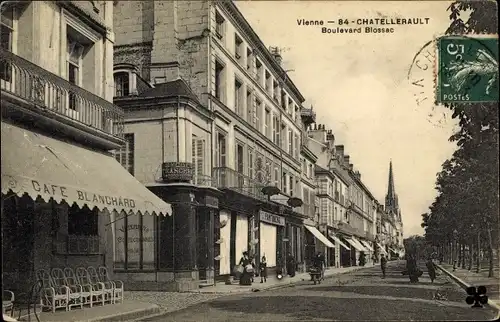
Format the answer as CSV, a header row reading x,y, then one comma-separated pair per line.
x,y
52,296
72,283
75,291
97,289
107,286
117,284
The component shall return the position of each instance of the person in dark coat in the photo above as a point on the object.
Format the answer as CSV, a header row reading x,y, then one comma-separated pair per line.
x,y
290,265
263,269
246,276
431,269
383,264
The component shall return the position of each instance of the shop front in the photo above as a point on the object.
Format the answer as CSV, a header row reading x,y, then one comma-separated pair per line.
x,y
339,247
271,228
324,245
59,205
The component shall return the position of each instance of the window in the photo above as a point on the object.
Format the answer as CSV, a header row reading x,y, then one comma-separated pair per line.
x,y
198,157
74,66
219,81
284,185
250,107
126,153
268,82
82,222
258,74
292,182
311,171
239,158
276,130
290,107
219,25
238,48
238,97
250,163
267,124
283,100
290,142
284,136
121,84
249,60
276,91
7,28
258,113
276,176
296,147
268,170
220,150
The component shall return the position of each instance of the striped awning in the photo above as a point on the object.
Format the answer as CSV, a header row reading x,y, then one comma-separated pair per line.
x,y
365,243
382,248
322,238
363,248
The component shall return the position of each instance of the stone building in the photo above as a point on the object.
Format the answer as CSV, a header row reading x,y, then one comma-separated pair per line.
x,y
62,189
394,216
240,106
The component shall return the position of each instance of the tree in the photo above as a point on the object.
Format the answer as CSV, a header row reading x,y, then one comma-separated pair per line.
x,y
468,199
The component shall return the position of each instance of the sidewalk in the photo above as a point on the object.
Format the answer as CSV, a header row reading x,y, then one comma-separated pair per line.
x,y
466,278
273,282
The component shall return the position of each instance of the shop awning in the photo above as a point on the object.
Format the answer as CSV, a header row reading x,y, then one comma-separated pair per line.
x,y
367,245
42,166
320,236
353,244
382,248
393,250
332,236
359,244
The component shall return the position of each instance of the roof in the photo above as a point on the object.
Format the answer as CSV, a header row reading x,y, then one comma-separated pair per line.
x,y
177,87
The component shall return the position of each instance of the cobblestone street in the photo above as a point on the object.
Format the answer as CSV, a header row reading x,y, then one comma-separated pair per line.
x,y
170,301
361,296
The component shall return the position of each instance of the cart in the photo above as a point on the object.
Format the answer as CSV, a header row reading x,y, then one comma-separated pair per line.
x,y
316,275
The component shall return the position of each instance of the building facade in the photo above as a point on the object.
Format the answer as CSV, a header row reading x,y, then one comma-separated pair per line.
x,y
62,189
246,121
395,223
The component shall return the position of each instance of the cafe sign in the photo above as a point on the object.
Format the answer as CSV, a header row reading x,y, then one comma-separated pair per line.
x,y
271,218
177,171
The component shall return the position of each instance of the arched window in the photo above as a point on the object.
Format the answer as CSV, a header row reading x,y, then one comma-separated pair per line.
x,y
122,84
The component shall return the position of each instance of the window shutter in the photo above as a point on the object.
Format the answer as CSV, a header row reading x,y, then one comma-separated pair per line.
x,y
200,149
193,154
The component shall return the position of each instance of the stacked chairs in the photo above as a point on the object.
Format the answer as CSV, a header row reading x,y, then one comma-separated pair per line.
x,y
97,290
107,286
117,284
52,296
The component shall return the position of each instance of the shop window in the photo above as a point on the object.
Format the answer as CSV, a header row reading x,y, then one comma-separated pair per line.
x,y
135,242
122,84
82,222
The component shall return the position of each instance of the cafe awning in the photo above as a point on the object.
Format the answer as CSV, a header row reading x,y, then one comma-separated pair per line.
x,y
45,167
382,248
337,240
320,236
367,245
363,248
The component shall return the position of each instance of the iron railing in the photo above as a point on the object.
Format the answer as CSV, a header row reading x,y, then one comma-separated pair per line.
x,y
308,113
226,178
50,92
203,180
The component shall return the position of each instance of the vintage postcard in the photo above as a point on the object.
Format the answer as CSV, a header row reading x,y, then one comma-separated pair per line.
x,y
223,160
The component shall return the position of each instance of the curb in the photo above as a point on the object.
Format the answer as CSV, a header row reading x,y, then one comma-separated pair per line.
x,y
464,285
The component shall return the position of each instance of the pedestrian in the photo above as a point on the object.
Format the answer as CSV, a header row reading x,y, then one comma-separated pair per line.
x,y
319,263
383,264
290,265
252,262
246,275
263,269
431,269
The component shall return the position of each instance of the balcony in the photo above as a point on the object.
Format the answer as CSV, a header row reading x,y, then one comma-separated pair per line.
x,y
23,82
226,178
203,181
308,116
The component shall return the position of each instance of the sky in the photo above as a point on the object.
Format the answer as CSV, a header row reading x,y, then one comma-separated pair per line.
x,y
361,88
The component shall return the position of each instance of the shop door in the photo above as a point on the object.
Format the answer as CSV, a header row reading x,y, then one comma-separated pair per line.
x,y
202,242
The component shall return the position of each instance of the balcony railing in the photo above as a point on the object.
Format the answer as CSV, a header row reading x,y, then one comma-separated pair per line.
x,y
308,115
203,180
50,92
226,178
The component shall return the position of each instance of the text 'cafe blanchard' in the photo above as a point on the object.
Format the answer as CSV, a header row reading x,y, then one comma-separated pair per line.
x,y
52,190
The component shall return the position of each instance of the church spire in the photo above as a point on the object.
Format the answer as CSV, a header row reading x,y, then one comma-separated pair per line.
x,y
391,199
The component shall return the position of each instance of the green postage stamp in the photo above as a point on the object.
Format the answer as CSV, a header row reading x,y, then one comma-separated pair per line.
x,y
467,69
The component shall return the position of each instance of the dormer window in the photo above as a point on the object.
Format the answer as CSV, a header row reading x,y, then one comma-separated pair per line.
x,y
122,84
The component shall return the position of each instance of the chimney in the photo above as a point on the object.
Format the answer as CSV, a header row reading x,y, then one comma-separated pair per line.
x,y
330,137
276,52
351,166
340,151
346,159
358,175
